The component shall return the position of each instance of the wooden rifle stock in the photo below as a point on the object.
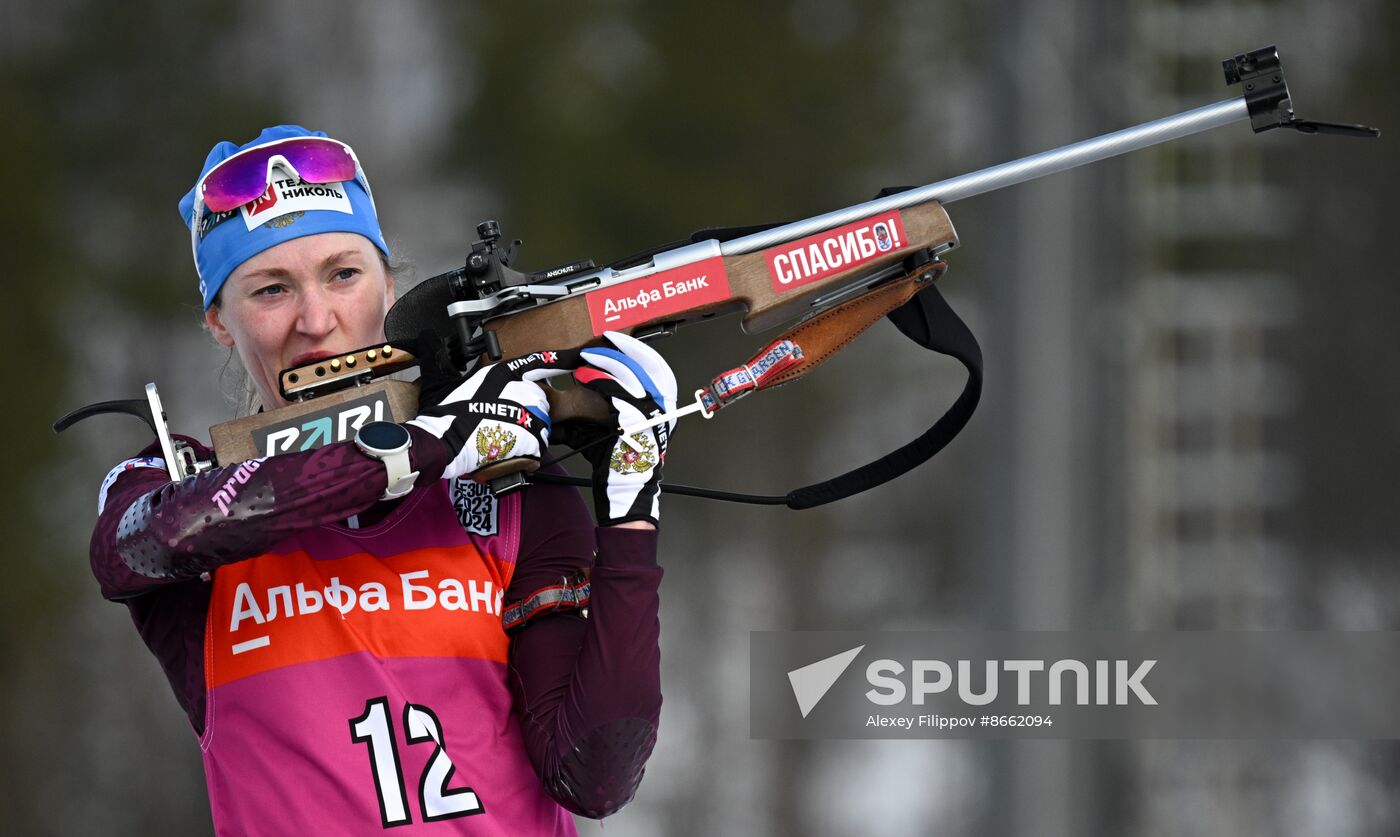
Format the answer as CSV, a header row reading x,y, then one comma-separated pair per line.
x,y
566,323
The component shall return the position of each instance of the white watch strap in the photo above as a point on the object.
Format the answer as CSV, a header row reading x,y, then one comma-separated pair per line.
x,y
400,477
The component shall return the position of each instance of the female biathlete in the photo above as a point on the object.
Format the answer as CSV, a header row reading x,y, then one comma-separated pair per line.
x,y
332,620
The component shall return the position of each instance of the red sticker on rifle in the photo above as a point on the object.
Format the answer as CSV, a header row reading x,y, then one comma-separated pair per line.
x,y
806,260
656,297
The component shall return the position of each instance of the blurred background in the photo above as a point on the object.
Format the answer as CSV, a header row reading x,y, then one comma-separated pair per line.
x,y
1191,406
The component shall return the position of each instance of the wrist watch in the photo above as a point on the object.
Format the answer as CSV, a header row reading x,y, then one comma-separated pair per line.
x,y
389,443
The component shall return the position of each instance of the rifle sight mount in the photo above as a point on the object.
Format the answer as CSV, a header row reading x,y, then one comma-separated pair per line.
x,y
1270,105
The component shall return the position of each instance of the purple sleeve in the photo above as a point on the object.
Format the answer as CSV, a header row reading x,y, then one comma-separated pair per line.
x,y
589,690
152,531
169,611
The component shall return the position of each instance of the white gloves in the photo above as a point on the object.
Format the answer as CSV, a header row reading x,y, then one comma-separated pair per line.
x,y
500,412
638,385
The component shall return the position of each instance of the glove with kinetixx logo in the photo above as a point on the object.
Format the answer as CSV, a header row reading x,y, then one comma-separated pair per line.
x,y
499,412
638,385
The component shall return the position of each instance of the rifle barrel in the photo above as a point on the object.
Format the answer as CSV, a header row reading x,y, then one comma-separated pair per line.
x,y
1008,174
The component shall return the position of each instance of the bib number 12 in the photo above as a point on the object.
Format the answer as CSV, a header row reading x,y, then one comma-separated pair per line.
x,y
420,725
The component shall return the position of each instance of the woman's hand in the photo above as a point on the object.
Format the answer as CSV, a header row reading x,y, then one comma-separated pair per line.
x,y
638,385
497,413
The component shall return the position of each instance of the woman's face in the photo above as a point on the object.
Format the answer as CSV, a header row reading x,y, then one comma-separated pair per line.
x,y
303,300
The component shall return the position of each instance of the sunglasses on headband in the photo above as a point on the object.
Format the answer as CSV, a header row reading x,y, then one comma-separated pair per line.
x,y
244,177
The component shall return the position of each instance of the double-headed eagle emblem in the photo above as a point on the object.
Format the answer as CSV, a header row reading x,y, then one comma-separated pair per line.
x,y
627,460
494,443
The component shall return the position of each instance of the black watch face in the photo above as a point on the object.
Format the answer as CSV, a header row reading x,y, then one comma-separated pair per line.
x,y
383,435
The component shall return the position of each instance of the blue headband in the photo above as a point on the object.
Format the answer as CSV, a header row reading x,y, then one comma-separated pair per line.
x,y
228,240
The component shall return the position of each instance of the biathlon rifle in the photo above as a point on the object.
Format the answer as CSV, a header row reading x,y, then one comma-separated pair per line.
x,y
833,274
